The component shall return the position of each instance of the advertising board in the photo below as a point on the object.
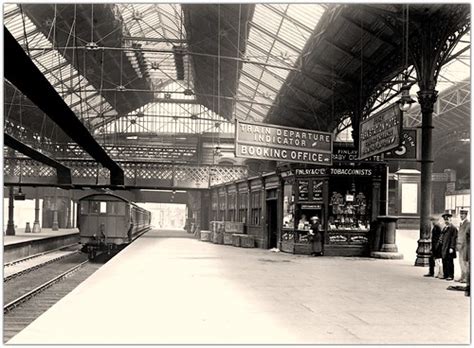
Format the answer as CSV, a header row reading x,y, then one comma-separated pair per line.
x,y
380,132
409,149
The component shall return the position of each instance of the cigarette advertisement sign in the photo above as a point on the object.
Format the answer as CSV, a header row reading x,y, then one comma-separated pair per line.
x,y
278,143
380,132
409,149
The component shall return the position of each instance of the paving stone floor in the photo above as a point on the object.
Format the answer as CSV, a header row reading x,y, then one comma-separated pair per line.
x,y
167,290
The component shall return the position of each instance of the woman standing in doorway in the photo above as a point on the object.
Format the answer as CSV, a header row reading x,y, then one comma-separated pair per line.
x,y
317,237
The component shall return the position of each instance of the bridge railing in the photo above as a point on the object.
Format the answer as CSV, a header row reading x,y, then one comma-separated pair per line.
x,y
27,172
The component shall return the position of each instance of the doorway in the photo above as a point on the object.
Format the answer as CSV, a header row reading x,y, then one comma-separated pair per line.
x,y
272,225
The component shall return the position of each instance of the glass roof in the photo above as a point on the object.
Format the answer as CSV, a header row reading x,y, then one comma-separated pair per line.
x,y
74,88
277,35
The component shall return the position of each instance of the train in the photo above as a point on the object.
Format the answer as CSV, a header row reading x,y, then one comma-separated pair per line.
x,y
108,222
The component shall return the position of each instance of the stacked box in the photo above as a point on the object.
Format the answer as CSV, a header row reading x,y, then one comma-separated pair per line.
x,y
236,240
206,236
228,238
247,241
233,226
218,238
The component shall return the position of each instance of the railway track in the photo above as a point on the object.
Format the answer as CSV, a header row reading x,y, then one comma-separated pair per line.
x,y
18,267
29,294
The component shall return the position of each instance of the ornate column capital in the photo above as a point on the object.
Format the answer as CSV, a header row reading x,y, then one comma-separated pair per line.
x,y
427,98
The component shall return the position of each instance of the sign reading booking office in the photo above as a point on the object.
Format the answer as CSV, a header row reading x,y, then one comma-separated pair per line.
x,y
277,143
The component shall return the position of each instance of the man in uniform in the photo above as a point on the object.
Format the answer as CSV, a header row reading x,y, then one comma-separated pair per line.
x,y
462,246
448,238
435,252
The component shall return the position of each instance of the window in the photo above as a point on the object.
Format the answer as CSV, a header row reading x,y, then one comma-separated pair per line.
x,y
231,207
103,207
116,208
243,203
256,208
84,207
288,206
409,198
221,207
94,207
214,207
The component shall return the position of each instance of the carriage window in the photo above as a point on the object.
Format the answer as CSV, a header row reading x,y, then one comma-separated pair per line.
x,y
103,207
94,207
120,206
115,208
84,207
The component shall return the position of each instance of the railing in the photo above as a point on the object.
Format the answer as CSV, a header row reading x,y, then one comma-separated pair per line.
x,y
27,172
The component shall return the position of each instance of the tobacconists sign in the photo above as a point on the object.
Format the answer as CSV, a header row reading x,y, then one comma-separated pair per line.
x,y
278,143
380,132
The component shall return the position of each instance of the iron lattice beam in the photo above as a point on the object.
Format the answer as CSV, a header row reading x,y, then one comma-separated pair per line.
x,y
63,173
22,72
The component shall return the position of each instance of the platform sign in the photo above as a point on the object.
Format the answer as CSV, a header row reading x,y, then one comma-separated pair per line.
x,y
409,150
380,132
278,143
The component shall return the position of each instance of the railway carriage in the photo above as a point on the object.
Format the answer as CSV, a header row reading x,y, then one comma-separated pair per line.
x,y
108,222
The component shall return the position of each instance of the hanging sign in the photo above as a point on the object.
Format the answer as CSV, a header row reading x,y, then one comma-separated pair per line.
x,y
278,143
409,150
344,153
380,132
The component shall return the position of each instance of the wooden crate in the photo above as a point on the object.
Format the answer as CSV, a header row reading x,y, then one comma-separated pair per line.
x,y
228,238
247,241
233,226
217,226
218,238
206,236
236,240
243,240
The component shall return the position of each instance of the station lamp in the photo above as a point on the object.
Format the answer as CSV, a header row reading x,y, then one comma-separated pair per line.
x,y
406,100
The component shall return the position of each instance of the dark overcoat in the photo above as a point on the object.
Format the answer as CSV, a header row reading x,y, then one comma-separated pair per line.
x,y
435,242
449,236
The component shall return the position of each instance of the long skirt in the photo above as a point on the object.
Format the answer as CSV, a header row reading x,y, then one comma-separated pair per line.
x,y
317,243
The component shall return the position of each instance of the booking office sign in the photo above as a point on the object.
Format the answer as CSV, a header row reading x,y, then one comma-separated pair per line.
x,y
380,132
286,144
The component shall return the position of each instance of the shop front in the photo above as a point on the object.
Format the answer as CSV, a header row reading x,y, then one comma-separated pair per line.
x,y
346,198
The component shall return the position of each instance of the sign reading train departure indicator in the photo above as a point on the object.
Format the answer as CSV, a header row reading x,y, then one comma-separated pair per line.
x,y
278,143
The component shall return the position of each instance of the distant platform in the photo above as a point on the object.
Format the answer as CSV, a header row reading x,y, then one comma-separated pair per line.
x,y
23,244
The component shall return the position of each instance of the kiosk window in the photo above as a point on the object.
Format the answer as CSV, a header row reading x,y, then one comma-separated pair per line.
x,y
103,207
288,205
303,190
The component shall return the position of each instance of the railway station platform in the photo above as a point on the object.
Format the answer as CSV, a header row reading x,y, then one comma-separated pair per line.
x,y
168,290
26,244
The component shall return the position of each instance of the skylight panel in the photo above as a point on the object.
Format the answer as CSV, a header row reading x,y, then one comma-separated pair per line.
x,y
267,19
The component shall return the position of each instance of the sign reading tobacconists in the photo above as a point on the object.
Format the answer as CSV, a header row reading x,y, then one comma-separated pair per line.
x,y
380,132
277,143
